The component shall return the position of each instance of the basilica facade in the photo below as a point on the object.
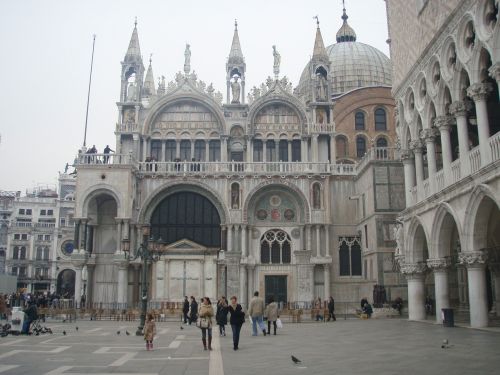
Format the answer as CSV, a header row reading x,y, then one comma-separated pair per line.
x,y
290,191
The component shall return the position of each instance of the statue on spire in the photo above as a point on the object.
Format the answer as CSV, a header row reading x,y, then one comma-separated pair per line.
x,y
236,90
187,59
277,62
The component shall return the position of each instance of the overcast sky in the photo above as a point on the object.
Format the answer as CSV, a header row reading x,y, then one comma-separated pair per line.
x,y
46,60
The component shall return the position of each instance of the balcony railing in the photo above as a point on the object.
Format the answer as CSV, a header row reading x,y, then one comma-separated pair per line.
x,y
377,153
127,128
495,146
243,168
45,225
322,128
104,159
22,224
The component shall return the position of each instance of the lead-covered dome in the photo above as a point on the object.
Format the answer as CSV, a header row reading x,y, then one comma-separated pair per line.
x,y
355,64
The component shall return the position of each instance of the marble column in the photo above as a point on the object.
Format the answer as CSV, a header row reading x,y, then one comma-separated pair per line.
x,y
229,238
202,277
303,150
460,111
264,150
429,136
479,92
443,123
163,146
315,148
223,151
409,173
166,282
475,261
135,138
243,285
440,267
244,241
333,149
327,240
250,286
122,282
326,273
78,283
160,280
289,151
207,150
308,237
276,150
416,147
317,251
415,274
119,237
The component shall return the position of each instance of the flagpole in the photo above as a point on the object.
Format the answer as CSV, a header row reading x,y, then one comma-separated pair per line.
x,y
88,94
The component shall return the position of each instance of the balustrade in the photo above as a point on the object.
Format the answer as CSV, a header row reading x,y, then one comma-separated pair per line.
x,y
475,159
440,180
495,147
455,171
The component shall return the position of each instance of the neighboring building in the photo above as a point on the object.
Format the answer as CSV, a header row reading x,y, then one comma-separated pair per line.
x,y
446,58
7,199
39,222
246,196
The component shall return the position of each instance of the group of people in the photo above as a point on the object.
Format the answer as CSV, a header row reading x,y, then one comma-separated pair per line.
x,y
93,150
318,309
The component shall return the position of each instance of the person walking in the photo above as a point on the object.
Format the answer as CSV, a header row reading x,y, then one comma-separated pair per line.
x,y
271,315
193,310
331,309
236,320
221,315
185,309
205,323
318,307
149,331
256,311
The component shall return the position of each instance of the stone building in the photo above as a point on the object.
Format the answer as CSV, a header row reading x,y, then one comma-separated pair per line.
x,y
446,60
39,238
246,194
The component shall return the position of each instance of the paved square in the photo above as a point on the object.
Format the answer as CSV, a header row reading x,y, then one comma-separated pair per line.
x,y
344,347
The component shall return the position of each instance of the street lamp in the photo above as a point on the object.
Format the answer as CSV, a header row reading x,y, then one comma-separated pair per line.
x,y
148,255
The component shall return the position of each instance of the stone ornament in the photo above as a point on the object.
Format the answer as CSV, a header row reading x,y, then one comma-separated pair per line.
x,y
439,264
187,59
460,108
443,122
235,90
416,145
429,134
277,62
480,91
494,72
413,268
473,258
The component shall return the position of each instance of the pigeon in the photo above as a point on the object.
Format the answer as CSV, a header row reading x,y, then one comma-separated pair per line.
x,y
117,332
64,333
181,327
64,320
446,344
128,333
76,328
296,360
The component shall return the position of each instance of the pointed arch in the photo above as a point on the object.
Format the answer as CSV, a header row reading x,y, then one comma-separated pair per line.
x,y
416,241
441,227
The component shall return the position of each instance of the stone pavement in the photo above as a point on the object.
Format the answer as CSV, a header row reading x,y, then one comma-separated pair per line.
x,y
391,346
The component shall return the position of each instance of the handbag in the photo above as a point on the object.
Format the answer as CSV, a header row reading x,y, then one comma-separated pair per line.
x,y
202,322
279,323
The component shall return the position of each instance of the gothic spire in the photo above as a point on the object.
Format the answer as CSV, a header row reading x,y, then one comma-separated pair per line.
x,y
319,46
148,88
346,33
134,50
235,55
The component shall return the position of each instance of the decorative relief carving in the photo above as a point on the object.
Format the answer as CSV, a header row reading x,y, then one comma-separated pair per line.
x,y
409,269
439,264
480,91
473,258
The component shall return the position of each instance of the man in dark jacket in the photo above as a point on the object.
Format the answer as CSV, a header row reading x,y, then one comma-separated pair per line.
x,y
331,309
31,315
193,311
185,309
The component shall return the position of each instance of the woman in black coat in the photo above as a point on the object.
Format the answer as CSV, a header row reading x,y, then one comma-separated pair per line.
x,y
193,311
237,319
221,315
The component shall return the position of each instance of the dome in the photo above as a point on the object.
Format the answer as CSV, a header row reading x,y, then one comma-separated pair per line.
x,y
355,64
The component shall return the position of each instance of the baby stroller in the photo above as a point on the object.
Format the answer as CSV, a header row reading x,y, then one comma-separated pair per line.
x,y
37,328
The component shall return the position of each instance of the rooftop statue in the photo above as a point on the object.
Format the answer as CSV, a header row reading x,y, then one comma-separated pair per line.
x,y
277,62
187,59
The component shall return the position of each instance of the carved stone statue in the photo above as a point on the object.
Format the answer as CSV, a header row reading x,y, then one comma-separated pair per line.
x,y
131,92
321,93
187,59
236,90
277,61
316,196
398,236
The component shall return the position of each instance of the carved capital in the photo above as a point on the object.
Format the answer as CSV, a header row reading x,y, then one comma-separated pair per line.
x,y
413,269
494,71
473,258
406,156
439,264
416,146
443,123
480,91
461,108
429,134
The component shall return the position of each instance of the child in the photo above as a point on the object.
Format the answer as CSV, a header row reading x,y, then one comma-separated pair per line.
x,y
149,331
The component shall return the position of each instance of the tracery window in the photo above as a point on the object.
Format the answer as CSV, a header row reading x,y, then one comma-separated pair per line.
x,y
275,247
350,256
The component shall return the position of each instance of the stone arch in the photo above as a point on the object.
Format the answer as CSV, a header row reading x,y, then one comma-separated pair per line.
x,y
169,188
292,189
484,15
421,91
102,189
466,38
448,58
409,105
416,243
445,220
177,97
482,200
480,62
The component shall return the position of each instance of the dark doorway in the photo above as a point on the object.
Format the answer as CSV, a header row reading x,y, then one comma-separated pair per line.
x,y
276,288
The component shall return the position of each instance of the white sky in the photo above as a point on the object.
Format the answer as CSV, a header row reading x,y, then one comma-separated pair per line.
x,y
46,60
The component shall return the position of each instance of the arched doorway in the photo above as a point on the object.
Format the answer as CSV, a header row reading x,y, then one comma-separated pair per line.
x,y
66,283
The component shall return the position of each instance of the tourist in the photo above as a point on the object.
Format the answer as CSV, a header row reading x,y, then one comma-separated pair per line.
x,y
398,305
31,314
368,310
236,320
364,301
271,315
256,311
3,308
185,309
429,305
193,310
107,150
331,309
221,315
149,331
318,306
205,322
